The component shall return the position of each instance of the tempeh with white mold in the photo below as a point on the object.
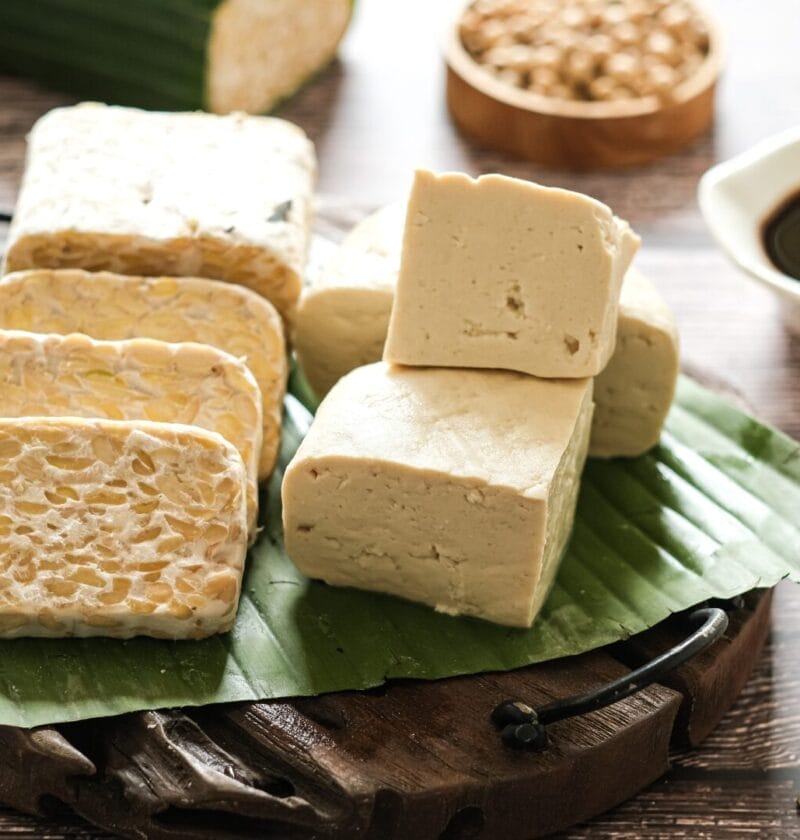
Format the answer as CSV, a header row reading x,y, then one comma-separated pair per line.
x,y
149,193
114,306
137,379
112,528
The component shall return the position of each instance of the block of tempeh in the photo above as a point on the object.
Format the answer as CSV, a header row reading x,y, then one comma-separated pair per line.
x,y
218,55
113,307
119,529
149,193
137,379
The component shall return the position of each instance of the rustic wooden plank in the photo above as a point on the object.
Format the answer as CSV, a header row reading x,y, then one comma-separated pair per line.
x,y
718,808
17,826
414,759
430,747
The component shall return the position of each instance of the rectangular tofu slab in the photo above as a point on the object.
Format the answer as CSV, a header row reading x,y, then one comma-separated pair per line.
x,y
114,307
454,488
149,193
118,529
634,393
503,273
342,319
138,379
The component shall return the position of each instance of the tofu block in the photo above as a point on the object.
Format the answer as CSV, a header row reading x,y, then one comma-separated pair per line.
x,y
138,379
342,319
115,307
119,529
454,488
634,393
503,273
183,194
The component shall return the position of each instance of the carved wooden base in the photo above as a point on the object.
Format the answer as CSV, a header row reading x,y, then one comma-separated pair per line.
x,y
410,760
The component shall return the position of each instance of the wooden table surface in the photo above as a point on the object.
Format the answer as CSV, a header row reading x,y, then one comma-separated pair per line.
x,y
379,112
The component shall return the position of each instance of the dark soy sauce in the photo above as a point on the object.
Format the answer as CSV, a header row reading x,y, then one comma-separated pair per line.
x,y
781,235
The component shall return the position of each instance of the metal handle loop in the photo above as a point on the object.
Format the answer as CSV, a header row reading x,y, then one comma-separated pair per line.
x,y
524,726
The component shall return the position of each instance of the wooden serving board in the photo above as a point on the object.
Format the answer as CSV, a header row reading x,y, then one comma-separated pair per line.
x,y
409,761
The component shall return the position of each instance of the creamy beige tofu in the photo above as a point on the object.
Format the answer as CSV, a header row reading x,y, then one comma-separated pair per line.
x,y
114,307
342,319
503,273
149,193
137,379
118,529
634,393
454,488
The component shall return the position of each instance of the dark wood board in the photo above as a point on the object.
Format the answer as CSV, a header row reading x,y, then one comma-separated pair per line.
x,y
408,760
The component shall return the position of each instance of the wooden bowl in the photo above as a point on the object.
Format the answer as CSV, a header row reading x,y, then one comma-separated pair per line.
x,y
572,134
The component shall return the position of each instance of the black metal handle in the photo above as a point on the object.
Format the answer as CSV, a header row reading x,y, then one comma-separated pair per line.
x,y
5,216
523,726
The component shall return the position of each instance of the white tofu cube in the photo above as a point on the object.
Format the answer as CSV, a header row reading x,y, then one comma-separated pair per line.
x,y
503,273
342,319
454,488
634,393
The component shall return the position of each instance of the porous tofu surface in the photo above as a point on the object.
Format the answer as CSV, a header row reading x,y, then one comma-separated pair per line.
x,y
503,273
342,319
455,488
151,193
118,529
137,379
634,393
114,307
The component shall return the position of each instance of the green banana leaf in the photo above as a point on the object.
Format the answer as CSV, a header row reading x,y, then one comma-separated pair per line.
x,y
714,510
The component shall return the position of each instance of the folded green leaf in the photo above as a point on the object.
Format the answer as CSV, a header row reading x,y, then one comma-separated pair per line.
x,y
712,511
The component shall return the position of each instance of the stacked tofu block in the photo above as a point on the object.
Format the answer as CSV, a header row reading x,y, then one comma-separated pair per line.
x,y
343,318
143,365
449,472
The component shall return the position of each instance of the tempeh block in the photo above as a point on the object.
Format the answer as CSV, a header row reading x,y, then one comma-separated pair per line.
x,y
138,379
150,193
118,529
113,307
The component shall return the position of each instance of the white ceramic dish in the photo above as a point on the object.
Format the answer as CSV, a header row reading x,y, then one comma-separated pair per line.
x,y
738,196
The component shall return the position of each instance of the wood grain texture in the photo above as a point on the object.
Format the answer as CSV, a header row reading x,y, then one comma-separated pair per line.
x,y
378,113
407,760
411,760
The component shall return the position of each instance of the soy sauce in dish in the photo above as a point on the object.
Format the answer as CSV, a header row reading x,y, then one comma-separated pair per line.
x,y
781,235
